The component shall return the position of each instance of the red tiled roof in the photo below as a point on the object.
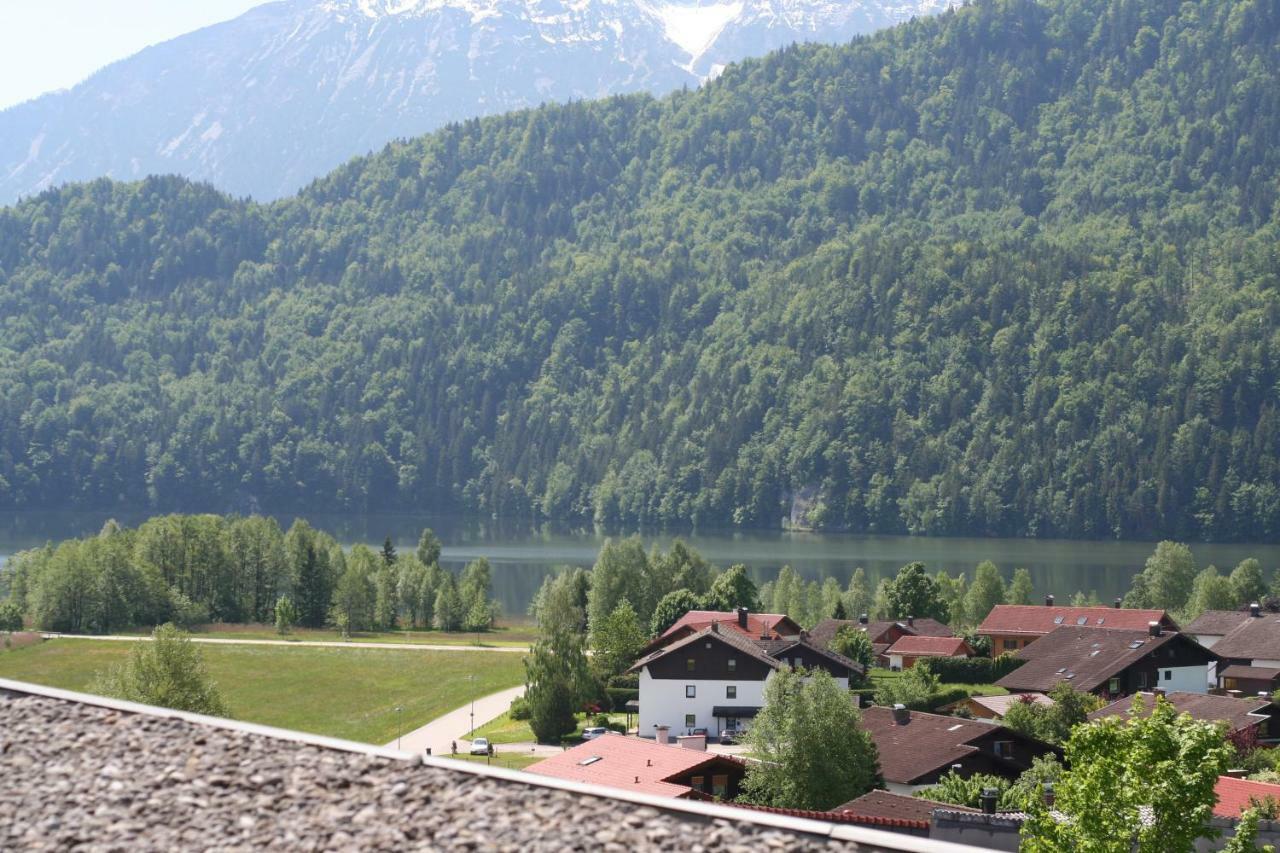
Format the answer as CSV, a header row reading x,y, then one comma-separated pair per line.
x,y
931,647
835,816
1234,795
1038,620
621,760
757,623
825,631
1083,657
1239,714
926,743
885,805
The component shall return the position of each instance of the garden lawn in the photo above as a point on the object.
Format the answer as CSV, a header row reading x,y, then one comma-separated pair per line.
x,y
506,730
510,760
518,635
346,693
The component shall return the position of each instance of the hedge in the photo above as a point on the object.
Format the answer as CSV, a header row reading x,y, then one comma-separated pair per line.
x,y
971,670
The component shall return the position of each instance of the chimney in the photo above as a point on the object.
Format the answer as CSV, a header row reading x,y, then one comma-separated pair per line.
x,y
742,618
1255,610
664,734
715,627
1154,629
697,743
1118,602
901,716
862,620
1049,796
1048,601
911,621
988,800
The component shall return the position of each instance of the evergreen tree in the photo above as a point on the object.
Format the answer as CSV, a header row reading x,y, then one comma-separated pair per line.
x,y
388,551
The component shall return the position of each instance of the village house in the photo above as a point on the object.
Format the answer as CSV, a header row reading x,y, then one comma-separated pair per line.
x,y
742,621
1111,662
713,681
916,749
665,769
1250,652
1248,719
904,653
1011,627
881,633
1214,625
995,707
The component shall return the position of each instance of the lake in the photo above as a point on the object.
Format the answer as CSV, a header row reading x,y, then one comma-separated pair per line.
x,y
522,555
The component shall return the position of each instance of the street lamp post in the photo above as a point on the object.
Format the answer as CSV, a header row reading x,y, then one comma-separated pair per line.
x,y
399,724
472,679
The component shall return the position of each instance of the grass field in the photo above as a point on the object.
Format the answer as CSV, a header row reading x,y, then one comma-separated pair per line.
x,y
346,693
519,635
506,730
510,760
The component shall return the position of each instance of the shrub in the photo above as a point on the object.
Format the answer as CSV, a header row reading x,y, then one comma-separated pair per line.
x,y
519,709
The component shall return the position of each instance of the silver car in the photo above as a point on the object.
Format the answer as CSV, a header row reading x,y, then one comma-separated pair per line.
x,y
593,732
480,746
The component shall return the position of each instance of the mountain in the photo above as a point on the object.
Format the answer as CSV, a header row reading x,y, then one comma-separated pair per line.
x,y
1008,270
265,103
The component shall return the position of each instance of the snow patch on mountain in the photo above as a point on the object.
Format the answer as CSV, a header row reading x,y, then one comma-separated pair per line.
x,y
695,28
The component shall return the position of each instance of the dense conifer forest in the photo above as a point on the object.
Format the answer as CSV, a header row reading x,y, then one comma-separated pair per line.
x,y
1009,271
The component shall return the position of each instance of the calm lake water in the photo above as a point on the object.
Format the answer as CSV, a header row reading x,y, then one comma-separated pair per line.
x,y
522,555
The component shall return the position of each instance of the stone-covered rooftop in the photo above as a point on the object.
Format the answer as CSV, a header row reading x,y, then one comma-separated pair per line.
x,y
81,776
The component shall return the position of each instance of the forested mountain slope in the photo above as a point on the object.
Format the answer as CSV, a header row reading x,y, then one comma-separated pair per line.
x,y
265,103
1011,270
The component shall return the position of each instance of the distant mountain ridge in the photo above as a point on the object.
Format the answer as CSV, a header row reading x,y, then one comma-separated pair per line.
x,y
265,103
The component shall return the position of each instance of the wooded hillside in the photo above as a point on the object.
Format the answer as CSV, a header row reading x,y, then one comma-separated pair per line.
x,y
1012,270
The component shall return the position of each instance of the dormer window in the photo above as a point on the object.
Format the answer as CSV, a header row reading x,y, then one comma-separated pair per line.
x,y
690,664
733,664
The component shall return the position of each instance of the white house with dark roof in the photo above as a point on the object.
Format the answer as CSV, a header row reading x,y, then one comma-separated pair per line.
x,y
715,679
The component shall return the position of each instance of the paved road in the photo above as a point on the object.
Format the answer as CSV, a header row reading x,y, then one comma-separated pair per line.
x,y
441,732
315,644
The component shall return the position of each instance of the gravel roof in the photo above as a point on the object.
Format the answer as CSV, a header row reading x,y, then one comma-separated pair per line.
x,y
91,778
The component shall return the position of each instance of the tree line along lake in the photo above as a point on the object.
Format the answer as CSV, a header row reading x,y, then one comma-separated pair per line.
x,y
522,555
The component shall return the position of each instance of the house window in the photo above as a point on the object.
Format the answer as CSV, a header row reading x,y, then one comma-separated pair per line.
x,y
1113,686
1168,675
1229,683
731,692
733,664
690,720
698,782
1010,645
720,785
798,662
690,664
1142,680
1004,748
691,691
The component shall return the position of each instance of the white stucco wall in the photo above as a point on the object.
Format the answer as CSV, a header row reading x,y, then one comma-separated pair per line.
x,y
663,702
1262,662
1207,640
1187,679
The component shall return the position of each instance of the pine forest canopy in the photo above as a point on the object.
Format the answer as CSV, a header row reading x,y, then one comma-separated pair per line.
x,y
1010,271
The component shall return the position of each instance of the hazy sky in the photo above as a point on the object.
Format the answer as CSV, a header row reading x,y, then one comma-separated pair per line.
x,y
54,44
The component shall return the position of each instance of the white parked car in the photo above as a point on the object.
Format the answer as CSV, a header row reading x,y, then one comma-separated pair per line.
x,y
593,732
480,746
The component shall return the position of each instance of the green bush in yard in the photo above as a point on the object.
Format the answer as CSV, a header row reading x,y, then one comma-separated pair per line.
x,y
957,670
